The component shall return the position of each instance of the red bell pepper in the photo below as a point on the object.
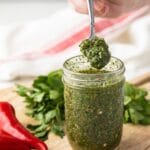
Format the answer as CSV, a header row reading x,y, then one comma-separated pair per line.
x,y
11,126
10,143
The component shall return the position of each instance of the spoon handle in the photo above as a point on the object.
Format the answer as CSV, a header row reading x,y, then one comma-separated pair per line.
x,y
91,14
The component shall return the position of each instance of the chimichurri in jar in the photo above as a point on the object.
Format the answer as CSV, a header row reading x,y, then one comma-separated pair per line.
x,y
93,104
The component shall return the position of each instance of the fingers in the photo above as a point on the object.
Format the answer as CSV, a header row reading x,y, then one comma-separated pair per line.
x,y
79,5
113,10
102,8
107,8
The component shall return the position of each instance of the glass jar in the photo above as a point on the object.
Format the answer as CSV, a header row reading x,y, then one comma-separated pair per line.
x,y
93,104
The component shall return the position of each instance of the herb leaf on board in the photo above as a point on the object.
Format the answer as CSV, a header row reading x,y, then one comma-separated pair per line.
x,y
136,105
45,103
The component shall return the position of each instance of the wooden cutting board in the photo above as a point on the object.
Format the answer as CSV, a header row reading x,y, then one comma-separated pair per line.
x,y
135,137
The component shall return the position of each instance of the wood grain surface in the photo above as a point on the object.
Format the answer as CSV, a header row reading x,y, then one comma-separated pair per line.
x,y
135,137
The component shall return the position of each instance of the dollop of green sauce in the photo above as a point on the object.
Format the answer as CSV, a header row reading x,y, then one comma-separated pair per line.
x,y
96,50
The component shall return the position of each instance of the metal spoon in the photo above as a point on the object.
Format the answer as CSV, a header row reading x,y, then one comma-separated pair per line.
x,y
91,15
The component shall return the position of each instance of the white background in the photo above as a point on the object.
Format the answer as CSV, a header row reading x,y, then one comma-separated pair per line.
x,y
12,11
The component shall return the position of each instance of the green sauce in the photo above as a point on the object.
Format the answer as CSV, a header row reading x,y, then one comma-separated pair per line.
x,y
96,51
94,116
92,71
93,104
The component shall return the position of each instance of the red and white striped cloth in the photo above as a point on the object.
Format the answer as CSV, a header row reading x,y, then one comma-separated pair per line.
x,y
41,46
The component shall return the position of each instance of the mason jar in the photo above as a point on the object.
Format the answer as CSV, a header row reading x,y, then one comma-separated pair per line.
x,y
93,103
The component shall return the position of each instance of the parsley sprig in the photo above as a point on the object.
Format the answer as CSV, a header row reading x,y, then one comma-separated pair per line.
x,y
45,103
136,105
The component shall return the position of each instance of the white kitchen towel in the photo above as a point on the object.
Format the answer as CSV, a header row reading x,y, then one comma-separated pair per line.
x,y
41,46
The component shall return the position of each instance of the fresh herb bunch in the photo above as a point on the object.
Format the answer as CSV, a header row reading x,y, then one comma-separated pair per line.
x,y
45,103
136,105
96,50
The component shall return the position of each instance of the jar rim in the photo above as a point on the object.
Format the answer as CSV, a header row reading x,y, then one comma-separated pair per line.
x,y
119,70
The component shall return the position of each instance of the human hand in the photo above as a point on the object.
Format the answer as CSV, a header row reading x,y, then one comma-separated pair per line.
x,y
108,8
